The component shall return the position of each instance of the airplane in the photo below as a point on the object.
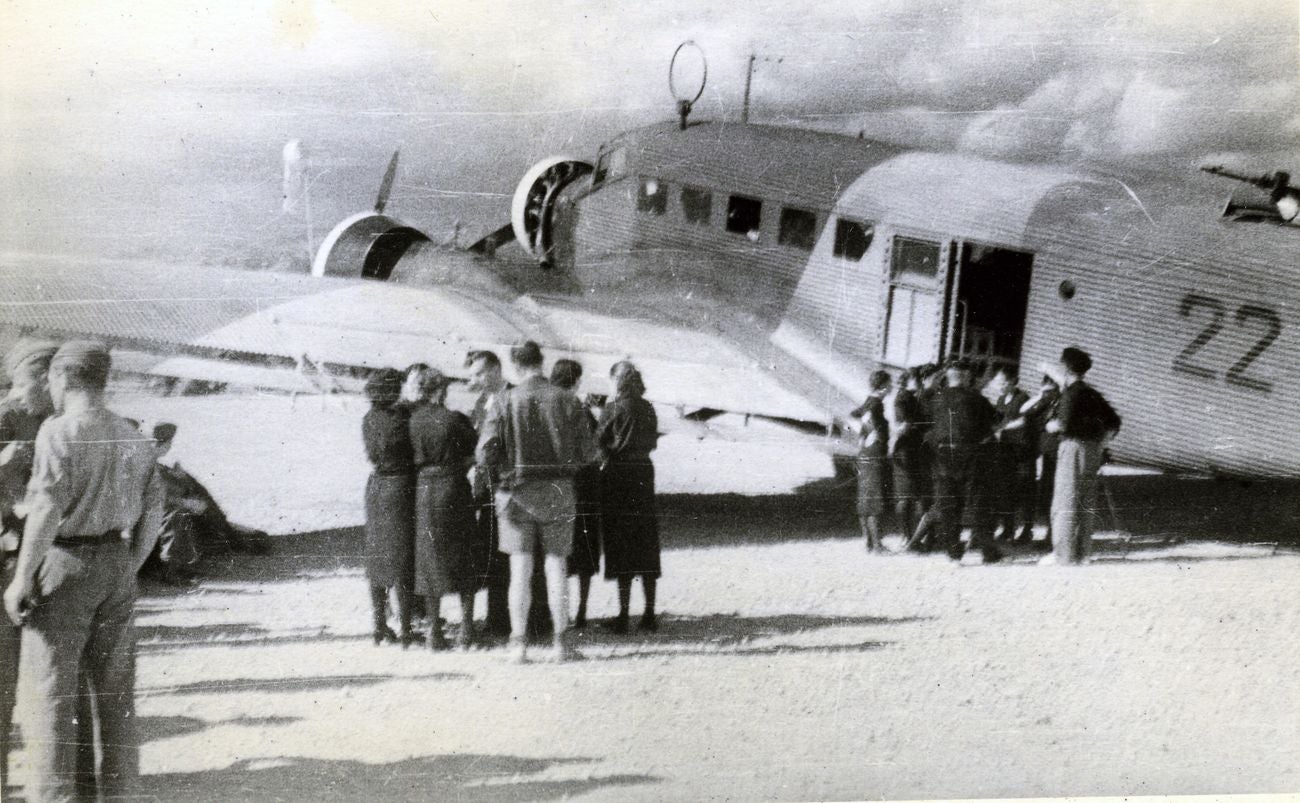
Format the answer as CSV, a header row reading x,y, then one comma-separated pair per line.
x,y
760,270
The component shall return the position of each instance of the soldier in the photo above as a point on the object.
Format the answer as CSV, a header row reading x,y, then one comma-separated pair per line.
x,y
536,437
1085,421
963,425
21,415
94,510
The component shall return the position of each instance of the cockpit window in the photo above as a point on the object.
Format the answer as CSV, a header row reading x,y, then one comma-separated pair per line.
x,y
798,228
697,205
852,239
652,196
744,216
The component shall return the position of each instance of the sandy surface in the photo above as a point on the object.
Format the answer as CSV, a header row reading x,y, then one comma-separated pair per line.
x,y
790,665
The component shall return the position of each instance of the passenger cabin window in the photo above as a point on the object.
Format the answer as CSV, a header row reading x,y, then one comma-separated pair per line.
x,y
852,239
915,261
744,216
697,205
798,228
652,196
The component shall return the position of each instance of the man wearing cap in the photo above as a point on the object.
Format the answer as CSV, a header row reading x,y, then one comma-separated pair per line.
x,y
1085,422
94,508
536,437
963,425
21,414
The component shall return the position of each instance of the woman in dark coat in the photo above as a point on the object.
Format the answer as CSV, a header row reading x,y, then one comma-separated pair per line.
x,y
390,495
447,552
584,560
627,433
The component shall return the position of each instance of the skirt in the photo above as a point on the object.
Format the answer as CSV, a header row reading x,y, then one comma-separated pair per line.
x,y
449,555
390,533
630,523
873,484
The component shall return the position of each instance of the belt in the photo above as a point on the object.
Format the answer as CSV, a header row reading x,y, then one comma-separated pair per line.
x,y
109,537
442,470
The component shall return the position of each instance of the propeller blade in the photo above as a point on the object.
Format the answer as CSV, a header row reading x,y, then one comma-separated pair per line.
x,y
493,241
387,185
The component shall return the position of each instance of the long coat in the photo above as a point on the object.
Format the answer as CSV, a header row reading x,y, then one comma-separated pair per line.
x,y
449,555
627,433
390,498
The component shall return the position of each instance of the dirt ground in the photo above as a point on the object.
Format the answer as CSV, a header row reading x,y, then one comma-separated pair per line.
x,y
790,665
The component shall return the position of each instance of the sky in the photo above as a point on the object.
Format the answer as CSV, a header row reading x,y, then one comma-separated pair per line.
x,y
155,129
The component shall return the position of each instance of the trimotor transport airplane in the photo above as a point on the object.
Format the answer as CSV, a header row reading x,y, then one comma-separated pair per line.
x,y
766,271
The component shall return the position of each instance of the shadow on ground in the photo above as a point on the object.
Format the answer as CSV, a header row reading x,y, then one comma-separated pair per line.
x,y
732,634
292,684
451,777
157,728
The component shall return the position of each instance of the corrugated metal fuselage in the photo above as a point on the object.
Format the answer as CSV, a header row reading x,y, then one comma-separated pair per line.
x,y
828,257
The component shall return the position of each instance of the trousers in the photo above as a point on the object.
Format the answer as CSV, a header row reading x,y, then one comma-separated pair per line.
x,y
10,641
82,620
1074,499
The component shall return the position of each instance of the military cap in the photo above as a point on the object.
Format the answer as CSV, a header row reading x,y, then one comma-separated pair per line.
x,y
1076,360
26,350
90,356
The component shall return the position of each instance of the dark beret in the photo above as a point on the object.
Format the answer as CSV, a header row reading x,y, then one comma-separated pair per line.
x,y
1076,360
164,431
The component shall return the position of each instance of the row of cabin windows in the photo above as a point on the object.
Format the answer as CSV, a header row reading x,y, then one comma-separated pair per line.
x,y
798,227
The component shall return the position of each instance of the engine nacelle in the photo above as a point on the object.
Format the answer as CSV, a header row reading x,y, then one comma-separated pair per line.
x,y
533,206
367,244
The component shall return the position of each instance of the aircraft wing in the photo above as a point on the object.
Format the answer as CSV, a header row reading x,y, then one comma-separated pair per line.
x,y
295,332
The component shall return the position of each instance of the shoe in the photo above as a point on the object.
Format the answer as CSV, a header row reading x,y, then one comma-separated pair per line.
x,y
384,635
580,621
408,638
956,551
517,650
562,652
648,623
617,626
1026,535
465,638
991,554
438,642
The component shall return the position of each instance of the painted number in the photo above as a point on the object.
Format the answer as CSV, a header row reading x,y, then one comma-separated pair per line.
x,y
1215,312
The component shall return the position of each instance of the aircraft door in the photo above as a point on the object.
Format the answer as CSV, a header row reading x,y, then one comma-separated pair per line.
x,y
989,298
915,302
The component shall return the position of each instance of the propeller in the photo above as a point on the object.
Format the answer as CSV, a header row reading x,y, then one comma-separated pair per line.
x,y
386,186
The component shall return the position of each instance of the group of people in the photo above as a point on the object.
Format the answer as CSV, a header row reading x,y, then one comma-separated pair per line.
x,y
944,449
529,488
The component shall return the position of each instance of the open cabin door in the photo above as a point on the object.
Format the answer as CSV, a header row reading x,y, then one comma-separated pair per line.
x,y
915,302
988,298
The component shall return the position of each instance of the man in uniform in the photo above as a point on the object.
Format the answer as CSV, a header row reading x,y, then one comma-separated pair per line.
x,y
963,425
1085,421
94,508
536,437
21,414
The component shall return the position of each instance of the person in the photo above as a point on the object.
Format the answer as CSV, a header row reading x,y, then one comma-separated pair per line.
x,y
448,556
390,506
627,433
1085,422
1014,457
907,452
94,507
535,438
873,459
194,525
584,560
22,412
963,424
1037,411
486,379
925,537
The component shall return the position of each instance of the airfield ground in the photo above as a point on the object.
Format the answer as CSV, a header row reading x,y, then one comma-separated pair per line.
x,y
790,665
